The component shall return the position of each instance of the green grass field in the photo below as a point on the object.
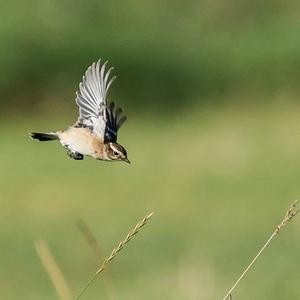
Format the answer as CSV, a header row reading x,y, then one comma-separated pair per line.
x,y
211,89
218,180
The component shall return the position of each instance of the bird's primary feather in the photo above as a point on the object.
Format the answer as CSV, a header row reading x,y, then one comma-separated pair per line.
x,y
114,120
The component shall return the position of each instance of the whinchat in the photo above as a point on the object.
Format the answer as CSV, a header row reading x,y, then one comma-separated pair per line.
x,y
95,132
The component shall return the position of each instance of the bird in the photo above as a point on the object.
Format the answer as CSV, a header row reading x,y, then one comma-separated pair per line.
x,y
96,130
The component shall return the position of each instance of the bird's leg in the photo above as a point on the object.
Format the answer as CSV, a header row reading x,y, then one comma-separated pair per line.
x,y
73,154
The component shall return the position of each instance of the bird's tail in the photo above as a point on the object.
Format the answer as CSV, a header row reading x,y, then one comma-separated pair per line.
x,y
42,137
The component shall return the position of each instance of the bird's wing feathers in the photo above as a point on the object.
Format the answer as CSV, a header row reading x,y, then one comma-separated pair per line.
x,y
114,120
91,99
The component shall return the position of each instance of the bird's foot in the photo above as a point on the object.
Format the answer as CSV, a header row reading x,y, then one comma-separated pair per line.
x,y
75,155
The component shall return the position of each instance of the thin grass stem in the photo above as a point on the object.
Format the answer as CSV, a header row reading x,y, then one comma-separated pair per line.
x,y
115,251
58,280
290,214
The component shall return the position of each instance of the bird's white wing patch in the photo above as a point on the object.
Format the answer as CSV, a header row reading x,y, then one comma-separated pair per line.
x,y
91,98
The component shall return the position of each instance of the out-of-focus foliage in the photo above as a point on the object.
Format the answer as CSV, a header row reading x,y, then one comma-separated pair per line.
x,y
166,53
218,180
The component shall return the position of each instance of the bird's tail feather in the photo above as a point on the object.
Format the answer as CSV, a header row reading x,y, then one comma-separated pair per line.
x,y
42,137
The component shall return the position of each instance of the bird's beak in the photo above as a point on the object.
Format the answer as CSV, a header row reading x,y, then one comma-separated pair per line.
x,y
126,160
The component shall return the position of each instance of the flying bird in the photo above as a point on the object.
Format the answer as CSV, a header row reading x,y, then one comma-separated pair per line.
x,y
96,130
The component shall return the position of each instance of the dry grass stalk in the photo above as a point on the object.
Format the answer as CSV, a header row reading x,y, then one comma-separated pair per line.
x,y
94,245
54,272
290,214
113,254
90,238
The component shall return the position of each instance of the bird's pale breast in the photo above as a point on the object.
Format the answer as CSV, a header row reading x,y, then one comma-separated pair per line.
x,y
81,140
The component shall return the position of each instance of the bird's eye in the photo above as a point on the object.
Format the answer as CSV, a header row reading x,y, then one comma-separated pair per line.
x,y
116,153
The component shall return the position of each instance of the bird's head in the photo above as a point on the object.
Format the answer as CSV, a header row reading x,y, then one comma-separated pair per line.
x,y
116,152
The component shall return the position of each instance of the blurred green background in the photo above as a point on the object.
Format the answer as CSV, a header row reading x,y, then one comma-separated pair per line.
x,y
211,90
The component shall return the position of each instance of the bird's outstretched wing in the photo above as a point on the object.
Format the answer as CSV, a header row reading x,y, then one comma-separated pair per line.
x,y
94,113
